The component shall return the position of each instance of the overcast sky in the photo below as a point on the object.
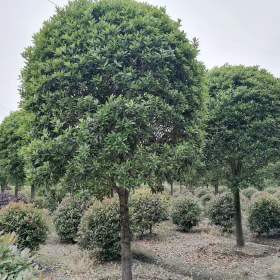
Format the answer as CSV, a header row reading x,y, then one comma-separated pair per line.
x,y
234,31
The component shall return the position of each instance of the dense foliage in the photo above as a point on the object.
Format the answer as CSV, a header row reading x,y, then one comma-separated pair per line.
x,y
27,222
99,230
146,210
186,213
67,218
264,214
221,211
14,264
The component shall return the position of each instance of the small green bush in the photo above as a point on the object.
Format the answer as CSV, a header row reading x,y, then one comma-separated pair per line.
x,y
277,194
14,264
249,192
99,231
186,213
146,210
49,198
205,199
26,222
201,192
264,214
258,194
271,190
67,218
221,211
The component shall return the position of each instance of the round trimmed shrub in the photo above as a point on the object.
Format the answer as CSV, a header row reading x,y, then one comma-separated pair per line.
x,y
221,211
258,194
201,192
27,222
205,199
186,213
99,231
67,218
264,214
277,194
249,192
146,210
271,190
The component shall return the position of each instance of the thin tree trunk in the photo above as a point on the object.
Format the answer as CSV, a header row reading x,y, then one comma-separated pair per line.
x,y
180,188
238,219
171,189
125,235
33,192
16,191
216,186
3,188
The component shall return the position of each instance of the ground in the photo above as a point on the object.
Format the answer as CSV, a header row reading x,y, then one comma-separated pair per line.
x,y
205,253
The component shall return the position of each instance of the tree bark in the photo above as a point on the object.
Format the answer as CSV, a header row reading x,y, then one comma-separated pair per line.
x,y
16,191
171,189
216,186
238,219
125,235
32,192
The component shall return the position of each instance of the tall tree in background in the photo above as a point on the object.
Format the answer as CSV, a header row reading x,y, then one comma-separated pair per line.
x,y
13,136
243,127
114,85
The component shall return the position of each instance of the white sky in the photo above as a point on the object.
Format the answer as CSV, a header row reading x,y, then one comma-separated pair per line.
x,y
234,31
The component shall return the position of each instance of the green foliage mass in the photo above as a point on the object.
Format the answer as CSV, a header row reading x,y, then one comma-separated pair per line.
x,y
186,213
113,92
99,231
146,210
27,222
221,211
67,218
14,264
264,214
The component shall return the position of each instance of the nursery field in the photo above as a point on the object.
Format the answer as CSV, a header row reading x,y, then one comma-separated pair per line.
x,y
170,254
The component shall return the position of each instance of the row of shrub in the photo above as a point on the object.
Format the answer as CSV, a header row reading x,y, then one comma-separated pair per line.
x,y
96,225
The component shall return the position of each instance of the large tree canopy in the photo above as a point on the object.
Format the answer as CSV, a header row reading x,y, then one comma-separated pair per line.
x,y
114,87
244,118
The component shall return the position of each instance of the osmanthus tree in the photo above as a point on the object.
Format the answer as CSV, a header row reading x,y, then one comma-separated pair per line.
x,y
13,136
243,126
113,85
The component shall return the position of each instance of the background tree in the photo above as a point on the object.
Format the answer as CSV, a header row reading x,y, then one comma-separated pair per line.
x,y
13,136
113,86
243,126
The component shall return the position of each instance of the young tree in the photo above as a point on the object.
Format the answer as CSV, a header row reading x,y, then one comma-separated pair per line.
x,y
243,127
13,136
114,85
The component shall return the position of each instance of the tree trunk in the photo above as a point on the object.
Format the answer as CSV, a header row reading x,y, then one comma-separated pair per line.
x,y
16,191
3,188
125,235
216,186
180,188
171,189
32,192
238,219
